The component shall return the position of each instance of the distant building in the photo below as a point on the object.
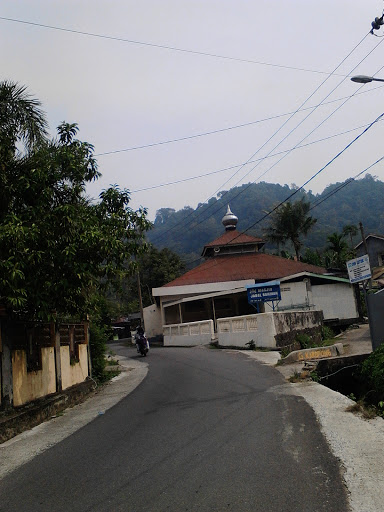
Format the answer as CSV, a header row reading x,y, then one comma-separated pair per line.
x,y
375,246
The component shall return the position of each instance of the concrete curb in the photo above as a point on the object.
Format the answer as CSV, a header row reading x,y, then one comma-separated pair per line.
x,y
314,353
32,414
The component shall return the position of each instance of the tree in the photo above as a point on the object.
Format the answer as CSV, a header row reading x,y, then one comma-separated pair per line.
x,y
57,247
289,223
338,246
22,127
351,231
156,268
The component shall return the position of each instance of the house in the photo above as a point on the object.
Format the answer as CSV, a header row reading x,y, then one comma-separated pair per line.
x,y
375,246
216,290
37,359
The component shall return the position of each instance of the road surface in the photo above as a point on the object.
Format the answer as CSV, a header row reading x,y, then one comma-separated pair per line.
x,y
206,431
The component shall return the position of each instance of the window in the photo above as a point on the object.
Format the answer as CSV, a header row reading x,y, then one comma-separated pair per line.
x,y
33,351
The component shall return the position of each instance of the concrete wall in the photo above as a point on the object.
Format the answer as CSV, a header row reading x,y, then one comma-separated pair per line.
x,y
152,321
75,373
293,294
266,329
335,300
188,335
28,386
237,331
375,251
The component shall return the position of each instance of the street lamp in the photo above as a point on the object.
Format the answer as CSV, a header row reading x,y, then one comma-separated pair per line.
x,y
363,79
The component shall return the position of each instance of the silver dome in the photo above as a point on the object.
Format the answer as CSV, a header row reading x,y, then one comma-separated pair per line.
x,y
229,220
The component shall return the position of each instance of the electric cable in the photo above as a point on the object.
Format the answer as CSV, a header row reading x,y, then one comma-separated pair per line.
x,y
160,46
220,130
318,172
310,133
267,214
275,133
344,184
204,175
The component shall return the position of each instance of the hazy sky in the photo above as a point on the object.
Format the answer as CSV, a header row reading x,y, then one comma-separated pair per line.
x,y
124,95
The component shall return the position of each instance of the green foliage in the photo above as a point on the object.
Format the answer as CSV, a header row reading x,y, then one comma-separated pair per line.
x,y
289,223
312,257
156,268
185,231
56,246
314,376
327,333
338,248
372,370
97,342
305,340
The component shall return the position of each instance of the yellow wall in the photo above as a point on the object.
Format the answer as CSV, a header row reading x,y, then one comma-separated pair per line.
x,y
28,386
75,373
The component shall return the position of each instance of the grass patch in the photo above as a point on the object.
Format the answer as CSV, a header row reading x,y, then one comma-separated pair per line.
x,y
367,411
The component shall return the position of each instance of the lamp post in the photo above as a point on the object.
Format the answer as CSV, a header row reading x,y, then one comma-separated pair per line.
x,y
363,79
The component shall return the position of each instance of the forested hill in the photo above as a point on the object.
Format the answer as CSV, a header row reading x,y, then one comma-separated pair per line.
x,y
186,231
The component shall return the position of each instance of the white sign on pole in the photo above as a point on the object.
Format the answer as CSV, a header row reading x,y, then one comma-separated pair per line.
x,y
359,269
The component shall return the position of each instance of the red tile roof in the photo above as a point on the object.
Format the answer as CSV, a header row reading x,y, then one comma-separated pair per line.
x,y
258,266
233,237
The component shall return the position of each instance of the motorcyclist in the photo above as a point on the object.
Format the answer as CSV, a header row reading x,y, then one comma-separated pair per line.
x,y
140,338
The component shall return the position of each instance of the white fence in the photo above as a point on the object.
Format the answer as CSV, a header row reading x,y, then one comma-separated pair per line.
x,y
237,331
263,328
189,334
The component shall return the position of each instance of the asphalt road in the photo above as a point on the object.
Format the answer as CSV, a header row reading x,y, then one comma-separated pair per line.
x,y
207,430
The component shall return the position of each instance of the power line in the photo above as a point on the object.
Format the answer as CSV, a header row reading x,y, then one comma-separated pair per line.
x,y
347,182
161,46
318,172
220,130
308,181
273,135
204,175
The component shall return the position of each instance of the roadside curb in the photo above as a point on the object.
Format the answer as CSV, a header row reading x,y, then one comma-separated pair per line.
x,y
308,354
34,413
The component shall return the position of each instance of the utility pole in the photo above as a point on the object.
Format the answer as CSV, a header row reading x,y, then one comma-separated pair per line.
x,y
365,248
140,300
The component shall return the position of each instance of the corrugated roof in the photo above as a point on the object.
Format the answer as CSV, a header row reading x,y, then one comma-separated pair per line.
x,y
258,266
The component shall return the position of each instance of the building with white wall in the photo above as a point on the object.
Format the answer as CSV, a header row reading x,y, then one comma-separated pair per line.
x,y
216,288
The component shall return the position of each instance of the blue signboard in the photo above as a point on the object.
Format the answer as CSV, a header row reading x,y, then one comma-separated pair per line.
x,y
263,292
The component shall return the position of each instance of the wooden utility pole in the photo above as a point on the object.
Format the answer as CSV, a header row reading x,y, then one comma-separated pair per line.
x,y
140,300
365,248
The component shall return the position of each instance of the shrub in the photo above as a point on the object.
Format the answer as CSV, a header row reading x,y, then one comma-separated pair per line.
x,y
97,343
372,370
327,333
304,340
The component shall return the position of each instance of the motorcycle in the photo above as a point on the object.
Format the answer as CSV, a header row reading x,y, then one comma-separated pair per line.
x,y
142,345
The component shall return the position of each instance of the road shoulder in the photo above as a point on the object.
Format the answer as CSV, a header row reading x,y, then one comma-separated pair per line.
x,y
25,446
357,442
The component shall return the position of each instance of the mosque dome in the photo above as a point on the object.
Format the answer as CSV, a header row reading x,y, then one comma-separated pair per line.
x,y
229,220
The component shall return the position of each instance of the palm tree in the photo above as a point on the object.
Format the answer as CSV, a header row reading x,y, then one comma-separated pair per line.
x,y
289,223
339,247
351,231
21,118
22,126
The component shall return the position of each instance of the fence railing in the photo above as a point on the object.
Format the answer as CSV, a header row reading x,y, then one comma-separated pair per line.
x,y
247,323
192,333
